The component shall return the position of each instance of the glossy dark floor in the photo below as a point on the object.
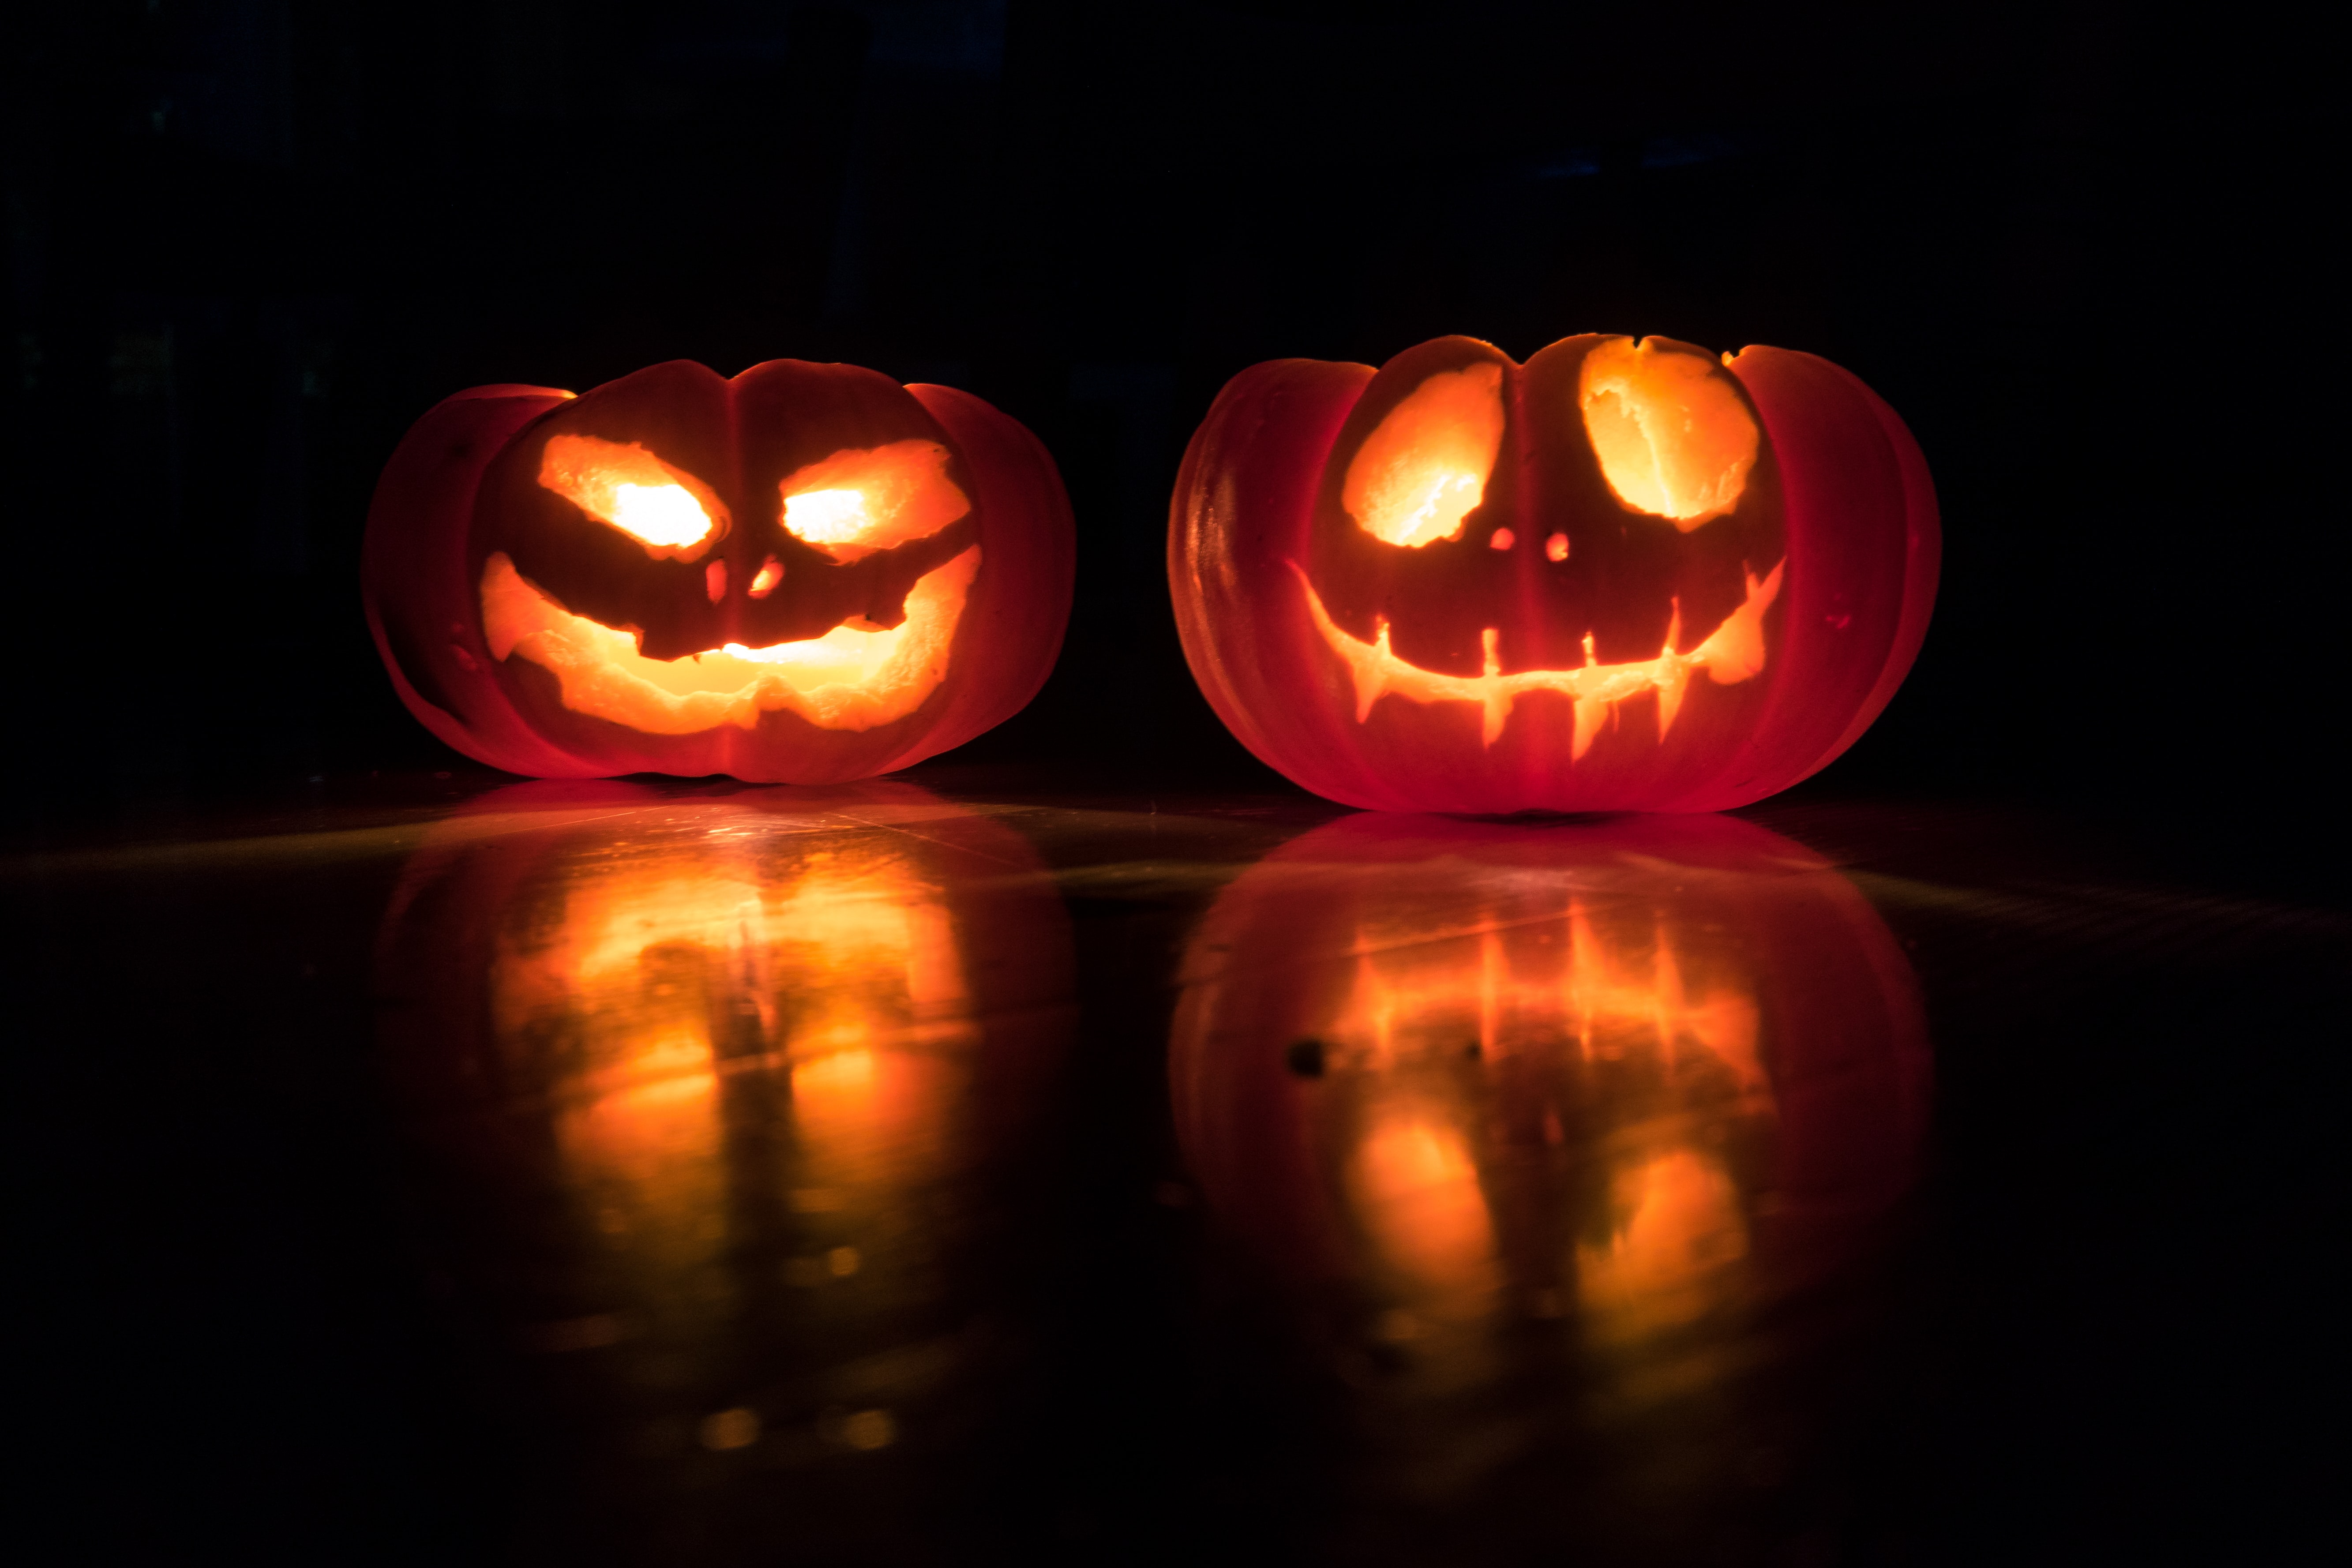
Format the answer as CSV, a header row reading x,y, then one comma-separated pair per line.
x,y
691,1174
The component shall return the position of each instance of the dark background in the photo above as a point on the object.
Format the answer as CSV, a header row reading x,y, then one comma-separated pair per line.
x,y
2080,251
252,241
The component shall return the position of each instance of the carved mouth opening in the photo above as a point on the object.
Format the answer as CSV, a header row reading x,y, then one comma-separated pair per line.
x,y
853,677
1732,653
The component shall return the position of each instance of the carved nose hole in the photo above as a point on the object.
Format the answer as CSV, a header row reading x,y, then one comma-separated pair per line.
x,y
1556,547
714,580
763,582
1501,538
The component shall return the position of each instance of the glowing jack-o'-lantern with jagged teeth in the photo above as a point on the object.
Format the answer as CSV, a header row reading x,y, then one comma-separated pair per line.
x,y
1623,575
807,574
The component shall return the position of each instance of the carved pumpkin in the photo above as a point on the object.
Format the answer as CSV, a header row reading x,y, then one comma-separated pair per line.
x,y
1453,1079
808,573
1622,577
708,1103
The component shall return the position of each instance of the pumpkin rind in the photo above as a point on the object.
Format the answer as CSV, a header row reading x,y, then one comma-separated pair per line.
x,y
1838,493
464,500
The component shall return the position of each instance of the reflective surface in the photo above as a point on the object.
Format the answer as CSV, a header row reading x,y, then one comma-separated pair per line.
x,y
693,1175
1538,1125
712,1102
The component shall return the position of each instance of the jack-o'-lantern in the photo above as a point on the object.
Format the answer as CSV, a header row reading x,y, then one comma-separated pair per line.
x,y
1622,577
711,1104
1532,1122
807,574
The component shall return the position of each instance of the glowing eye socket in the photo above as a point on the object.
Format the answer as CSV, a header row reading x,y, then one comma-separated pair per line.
x,y
666,509
1423,468
827,517
658,514
1674,437
872,498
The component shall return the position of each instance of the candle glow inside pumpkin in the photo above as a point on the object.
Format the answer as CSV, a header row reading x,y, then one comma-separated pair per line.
x,y
855,676
1673,441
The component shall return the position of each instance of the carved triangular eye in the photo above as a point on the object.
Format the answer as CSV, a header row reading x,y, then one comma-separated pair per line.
x,y
1424,467
872,498
666,509
1675,439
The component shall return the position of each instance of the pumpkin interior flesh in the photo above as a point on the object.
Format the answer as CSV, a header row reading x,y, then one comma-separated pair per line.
x,y
852,678
872,498
1732,653
1674,438
1424,467
664,509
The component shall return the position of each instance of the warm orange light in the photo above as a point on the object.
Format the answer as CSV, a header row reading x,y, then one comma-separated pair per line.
x,y
827,517
1419,1193
659,979
666,509
1451,1013
852,678
1732,653
1675,439
872,1119
868,499
1678,1225
1425,468
764,580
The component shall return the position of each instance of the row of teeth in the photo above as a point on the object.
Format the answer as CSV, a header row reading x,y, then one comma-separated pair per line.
x,y
1732,653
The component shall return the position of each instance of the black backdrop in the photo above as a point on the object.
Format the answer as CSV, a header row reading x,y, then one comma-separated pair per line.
x,y
252,240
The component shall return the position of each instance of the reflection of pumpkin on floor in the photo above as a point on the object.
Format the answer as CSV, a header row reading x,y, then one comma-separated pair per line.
x,y
1459,1080
716,1093
823,1014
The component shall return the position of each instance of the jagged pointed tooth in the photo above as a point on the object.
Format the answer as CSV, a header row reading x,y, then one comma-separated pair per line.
x,y
1670,691
1372,671
1497,715
1589,712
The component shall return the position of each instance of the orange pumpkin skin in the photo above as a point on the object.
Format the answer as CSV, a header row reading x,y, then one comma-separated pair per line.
x,y
473,546
1450,675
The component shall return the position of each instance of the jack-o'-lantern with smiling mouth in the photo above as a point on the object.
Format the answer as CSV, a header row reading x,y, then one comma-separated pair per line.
x,y
1625,575
807,574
